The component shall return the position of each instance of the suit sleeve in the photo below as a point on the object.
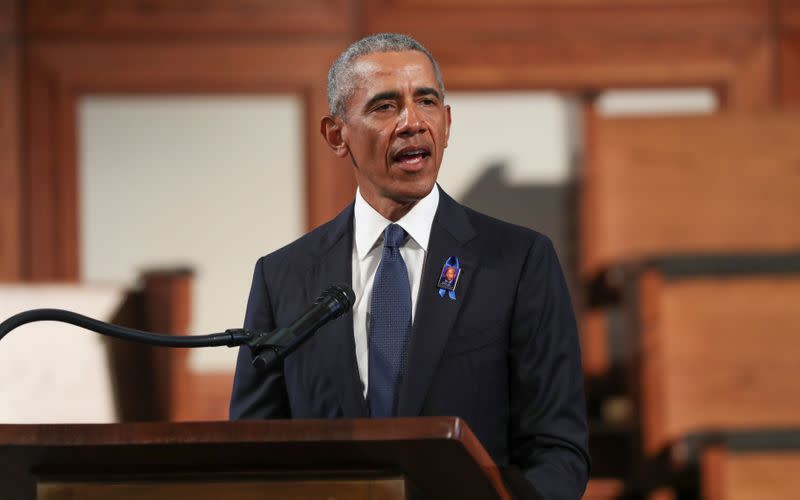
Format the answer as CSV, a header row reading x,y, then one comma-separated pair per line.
x,y
549,436
257,393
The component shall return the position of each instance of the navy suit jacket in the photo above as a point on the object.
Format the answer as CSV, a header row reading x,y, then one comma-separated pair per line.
x,y
503,356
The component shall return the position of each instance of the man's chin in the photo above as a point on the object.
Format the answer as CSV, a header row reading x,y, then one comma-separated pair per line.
x,y
414,191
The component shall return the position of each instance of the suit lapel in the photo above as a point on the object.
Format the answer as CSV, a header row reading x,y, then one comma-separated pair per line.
x,y
435,315
334,266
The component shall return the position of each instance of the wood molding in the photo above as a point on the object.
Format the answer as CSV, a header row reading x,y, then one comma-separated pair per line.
x,y
9,19
789,70
485,20
47,212
789,15
126,18
753,84
739,66
589,45
59,74
11,229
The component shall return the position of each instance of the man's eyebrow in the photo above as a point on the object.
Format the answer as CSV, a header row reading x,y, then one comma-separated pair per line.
x,y
382,96
427,91
391,94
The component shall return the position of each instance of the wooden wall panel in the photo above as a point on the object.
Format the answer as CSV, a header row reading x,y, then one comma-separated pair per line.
x,y
126,18
690,185
60,73
11,234
700,361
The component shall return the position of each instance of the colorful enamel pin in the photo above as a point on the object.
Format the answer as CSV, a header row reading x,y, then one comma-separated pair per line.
x,y
451,271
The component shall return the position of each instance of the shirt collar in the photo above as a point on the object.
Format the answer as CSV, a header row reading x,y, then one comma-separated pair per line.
x,y
369,224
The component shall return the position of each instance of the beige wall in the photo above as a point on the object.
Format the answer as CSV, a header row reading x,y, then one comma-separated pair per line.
x,y
528,132
208,182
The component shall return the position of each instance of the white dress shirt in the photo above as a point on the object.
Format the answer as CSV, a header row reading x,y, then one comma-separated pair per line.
x,y
367,251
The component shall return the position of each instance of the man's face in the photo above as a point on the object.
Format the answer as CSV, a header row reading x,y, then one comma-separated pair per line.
x,y
450,274
396,128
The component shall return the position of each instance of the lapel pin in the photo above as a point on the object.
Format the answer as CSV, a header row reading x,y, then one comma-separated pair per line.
x,y
448,279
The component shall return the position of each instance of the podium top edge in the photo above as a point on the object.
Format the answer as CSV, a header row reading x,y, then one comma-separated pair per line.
x,y
244,431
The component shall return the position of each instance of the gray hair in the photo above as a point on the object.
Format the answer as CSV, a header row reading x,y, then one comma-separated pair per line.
x,y
340,76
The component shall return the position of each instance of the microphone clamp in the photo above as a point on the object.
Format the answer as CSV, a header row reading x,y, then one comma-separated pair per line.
x,y
268,348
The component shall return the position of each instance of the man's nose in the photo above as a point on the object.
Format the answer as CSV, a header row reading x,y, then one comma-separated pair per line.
x,y
411,121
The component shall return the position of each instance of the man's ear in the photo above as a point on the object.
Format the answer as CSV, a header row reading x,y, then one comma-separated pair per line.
x,y
331,129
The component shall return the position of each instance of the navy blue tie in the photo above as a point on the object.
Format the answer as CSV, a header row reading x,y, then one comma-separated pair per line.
x,y
389,327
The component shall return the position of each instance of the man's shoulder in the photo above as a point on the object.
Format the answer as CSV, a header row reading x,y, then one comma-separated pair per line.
x,y
499,231
497,240
304,250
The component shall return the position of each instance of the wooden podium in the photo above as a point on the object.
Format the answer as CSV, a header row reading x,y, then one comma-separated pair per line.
x,y
386,459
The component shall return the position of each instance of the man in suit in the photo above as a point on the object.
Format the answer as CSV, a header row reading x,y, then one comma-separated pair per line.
x,y
500,350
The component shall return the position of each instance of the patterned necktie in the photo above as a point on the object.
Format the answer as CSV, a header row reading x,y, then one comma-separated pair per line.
x,y
389,327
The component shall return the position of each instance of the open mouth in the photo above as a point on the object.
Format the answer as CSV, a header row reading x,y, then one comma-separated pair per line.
x,y
411,155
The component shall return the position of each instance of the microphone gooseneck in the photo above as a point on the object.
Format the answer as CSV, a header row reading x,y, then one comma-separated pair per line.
x,y
268,347
228,338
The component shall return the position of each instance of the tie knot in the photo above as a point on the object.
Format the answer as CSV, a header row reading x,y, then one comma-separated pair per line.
x,y
393,236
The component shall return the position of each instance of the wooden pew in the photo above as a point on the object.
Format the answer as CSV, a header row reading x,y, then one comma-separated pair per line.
x,y
689,185
718,353
606,359
595,344
728,473
168,389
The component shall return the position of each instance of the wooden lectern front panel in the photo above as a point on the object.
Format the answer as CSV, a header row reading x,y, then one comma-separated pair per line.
x,y
355,489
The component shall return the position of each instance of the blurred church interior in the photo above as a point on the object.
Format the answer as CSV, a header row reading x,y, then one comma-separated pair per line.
x,y
152,151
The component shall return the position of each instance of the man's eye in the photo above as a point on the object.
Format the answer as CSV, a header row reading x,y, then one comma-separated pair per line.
x,y
382,107
428,102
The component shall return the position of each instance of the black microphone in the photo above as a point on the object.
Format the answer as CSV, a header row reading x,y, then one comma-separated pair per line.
x,y
271,347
